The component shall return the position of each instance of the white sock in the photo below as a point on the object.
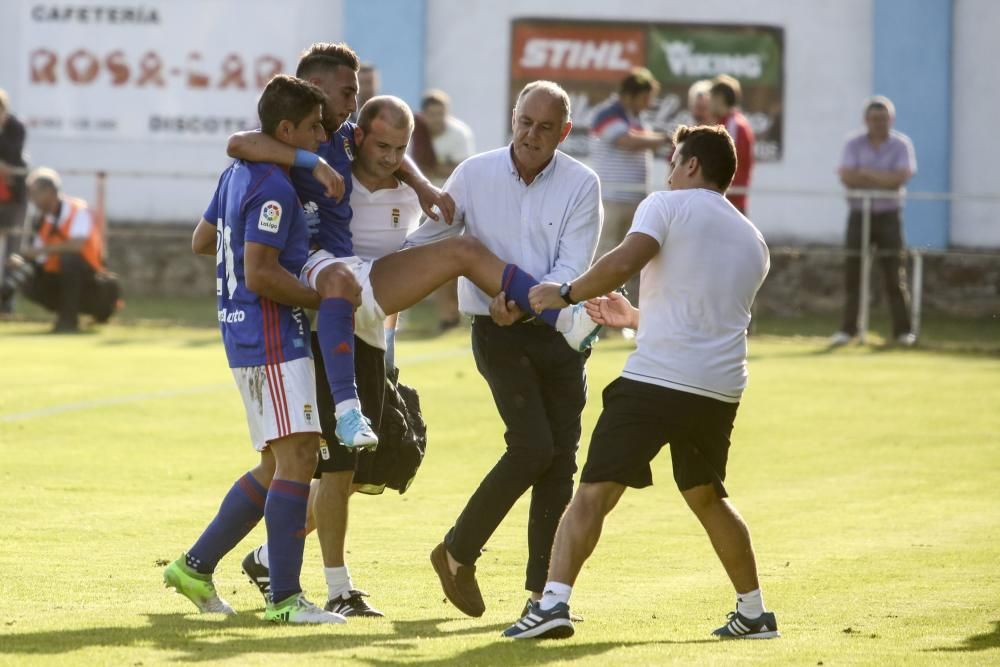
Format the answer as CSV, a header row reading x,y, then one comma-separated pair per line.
x,y
262,555
338,581
564,322
340,408
750,605
553,594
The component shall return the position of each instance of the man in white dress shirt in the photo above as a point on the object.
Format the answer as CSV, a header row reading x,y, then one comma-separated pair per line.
x,y
702,263
534,205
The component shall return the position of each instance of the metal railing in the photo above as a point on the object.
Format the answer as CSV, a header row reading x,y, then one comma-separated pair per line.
x,y
917,255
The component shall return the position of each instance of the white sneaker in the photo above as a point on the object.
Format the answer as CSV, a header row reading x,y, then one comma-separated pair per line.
x,y
907,339
297,609
582,331
840,338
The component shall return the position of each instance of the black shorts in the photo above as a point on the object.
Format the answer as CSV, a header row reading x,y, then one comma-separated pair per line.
x,y
369,369
640,418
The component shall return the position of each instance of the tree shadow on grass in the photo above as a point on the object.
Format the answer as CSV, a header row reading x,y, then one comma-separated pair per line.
x,y
981,642
197,639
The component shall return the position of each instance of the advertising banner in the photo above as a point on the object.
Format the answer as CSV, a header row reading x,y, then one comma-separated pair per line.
x,y
590,58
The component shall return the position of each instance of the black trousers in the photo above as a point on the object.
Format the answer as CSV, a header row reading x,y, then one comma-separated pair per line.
x,y
887,237
540,387
70,291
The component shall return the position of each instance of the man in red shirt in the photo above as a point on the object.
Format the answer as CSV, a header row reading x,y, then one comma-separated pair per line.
x,y
725,99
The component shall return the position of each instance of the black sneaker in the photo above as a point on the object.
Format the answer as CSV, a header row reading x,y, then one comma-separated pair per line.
x,y
740,627
576,618
554,623
258,574
353,604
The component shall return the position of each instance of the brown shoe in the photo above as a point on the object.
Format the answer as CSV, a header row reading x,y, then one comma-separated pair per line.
x,y
461,588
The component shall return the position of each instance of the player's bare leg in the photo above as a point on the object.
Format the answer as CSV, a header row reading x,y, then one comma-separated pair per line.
x,y
729,535
403,279
580,529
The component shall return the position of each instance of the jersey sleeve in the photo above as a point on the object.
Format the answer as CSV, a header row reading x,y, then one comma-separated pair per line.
x,y
611,128
212,212
653,217
268,214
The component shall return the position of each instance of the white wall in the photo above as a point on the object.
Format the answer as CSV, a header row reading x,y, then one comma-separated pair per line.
x,y
148,199
976,91
828,74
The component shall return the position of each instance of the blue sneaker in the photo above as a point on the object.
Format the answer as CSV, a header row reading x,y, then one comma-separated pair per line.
x,y
553,623
741,627
582,331
355,431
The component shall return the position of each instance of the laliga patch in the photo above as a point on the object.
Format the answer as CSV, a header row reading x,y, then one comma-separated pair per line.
x,y
270,217
347,149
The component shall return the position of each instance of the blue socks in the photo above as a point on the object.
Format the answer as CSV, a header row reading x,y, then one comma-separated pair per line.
x,y
335,328
516,284
285,516
241,510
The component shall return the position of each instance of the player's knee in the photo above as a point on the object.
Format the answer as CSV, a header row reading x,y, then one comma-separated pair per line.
x,y
595,499
465,249
336,487
337,281
702,498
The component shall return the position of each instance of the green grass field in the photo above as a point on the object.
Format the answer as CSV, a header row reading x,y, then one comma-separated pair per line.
x,y
870,478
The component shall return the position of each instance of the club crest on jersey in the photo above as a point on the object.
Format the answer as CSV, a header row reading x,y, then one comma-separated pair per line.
x,y
395,218
307,412
347,149
270,217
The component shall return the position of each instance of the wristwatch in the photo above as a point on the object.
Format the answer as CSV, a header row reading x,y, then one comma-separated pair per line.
x,y
564,290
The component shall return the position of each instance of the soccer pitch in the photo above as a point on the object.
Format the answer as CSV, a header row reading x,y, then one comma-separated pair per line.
x,y
870,479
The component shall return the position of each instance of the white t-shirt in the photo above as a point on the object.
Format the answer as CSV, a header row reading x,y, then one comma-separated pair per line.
x,y
455,143
382,219
695,295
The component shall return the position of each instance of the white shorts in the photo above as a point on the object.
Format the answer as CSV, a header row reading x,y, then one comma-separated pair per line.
x,y
280,399
369,318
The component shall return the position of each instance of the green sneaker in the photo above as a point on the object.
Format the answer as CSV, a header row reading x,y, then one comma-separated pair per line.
x,y
297,609
196,587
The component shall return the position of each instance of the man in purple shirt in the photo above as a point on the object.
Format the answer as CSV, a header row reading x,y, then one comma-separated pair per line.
x,y
878,158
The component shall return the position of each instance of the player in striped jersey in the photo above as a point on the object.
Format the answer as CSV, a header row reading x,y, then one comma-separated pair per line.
x,y
257,229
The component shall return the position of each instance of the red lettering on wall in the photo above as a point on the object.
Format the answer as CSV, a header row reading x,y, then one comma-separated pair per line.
x,y
266,67
82,66
195,78
232,72
151,70
118,67
43,66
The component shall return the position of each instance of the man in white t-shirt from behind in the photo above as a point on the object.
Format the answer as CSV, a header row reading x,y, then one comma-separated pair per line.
x,y
702,263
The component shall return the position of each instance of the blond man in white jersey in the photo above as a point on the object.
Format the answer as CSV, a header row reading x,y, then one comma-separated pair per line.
x,y
702,263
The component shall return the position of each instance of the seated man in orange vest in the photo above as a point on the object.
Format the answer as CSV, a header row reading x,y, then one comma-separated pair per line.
x,y
67,250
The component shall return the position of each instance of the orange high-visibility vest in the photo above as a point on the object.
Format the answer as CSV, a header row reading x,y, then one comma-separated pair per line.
x,y
55,232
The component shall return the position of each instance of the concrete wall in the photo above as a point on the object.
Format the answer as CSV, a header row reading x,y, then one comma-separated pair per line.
x,y
152,199
828,73
976,94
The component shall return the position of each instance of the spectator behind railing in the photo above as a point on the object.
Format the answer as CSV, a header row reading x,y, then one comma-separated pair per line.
x,y
877,158
13,202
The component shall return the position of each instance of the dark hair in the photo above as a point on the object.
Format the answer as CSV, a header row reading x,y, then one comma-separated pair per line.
x,y
713,147
287,98
639,80
326,56
435,97
728,88
392,109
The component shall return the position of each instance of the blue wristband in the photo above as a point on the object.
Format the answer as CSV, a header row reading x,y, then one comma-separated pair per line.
x,y
305,159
